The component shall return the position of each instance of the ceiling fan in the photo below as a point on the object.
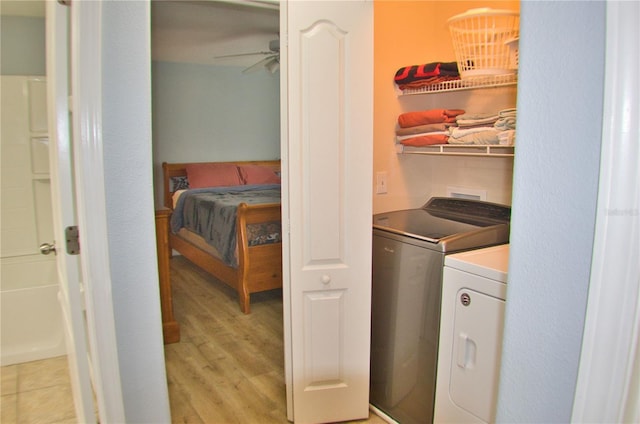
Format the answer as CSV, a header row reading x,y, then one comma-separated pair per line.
x,y
271,61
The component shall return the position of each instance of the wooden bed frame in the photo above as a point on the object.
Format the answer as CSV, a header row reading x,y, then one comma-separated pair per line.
x,y
259,267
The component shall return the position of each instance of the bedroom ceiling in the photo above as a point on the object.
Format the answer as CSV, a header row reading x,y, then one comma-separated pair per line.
x,y
198,31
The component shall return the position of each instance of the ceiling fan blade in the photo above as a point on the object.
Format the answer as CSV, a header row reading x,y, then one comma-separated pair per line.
x,y
241,54
258,65
273,65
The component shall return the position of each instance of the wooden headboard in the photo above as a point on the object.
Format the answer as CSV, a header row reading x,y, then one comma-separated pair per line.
x,y
170,170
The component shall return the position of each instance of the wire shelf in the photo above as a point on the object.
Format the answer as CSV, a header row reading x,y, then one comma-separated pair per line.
x,y
492,150
486,81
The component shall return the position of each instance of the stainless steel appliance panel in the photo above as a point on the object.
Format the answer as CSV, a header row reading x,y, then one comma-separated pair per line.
x,y
406,294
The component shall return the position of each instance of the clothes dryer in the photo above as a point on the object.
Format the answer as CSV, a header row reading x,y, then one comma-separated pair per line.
x,y
471,327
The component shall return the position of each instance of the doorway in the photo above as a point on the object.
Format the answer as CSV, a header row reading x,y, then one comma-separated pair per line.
x,y
228,366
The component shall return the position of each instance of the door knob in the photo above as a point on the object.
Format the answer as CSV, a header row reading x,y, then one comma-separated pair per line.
x,y
46,248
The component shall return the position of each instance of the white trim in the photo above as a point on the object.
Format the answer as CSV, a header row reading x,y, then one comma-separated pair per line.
x,y
86,20
284,160
382,415
63,208
607,386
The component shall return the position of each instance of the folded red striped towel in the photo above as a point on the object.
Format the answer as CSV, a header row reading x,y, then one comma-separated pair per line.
x,y
414,73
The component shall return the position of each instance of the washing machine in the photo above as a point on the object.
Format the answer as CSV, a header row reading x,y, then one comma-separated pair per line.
x,y
409,251
471,327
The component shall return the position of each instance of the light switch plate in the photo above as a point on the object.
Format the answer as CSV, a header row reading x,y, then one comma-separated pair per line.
x,y
381,182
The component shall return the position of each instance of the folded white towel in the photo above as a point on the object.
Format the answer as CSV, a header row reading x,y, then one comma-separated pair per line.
x,y
457,132
507,112
488,136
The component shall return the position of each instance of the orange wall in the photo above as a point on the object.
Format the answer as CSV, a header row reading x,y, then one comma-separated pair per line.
x,y
410,33
414,32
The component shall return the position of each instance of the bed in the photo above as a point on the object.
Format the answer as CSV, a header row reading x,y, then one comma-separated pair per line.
x,y
253,261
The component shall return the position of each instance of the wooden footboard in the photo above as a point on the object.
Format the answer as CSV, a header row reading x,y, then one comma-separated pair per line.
x,y
170,327
259,267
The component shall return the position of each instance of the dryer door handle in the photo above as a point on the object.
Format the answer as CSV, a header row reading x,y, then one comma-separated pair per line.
x,y
466,351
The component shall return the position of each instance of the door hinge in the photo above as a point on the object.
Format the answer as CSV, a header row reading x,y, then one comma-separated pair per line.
x,y
72,237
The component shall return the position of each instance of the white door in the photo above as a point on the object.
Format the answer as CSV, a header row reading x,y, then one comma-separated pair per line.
x,y
63,205
31,321
328,103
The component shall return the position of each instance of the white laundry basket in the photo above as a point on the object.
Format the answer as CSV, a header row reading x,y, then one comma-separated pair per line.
x,y
482,41
514,52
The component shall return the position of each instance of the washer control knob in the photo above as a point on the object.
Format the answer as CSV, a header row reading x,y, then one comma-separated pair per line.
x,y
465,299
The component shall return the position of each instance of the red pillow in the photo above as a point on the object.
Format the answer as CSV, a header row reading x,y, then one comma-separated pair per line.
x,y
212,175
257,174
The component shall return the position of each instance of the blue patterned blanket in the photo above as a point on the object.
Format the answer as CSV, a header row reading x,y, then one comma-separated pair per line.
x,y
212,213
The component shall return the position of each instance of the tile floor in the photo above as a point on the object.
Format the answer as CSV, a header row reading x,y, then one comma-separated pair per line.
x,y
37,392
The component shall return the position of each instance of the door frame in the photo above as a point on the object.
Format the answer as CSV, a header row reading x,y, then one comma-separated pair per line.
x,y
63,209
284,169
612,358
86,79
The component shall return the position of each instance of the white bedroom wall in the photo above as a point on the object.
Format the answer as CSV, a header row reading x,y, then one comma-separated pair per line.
x,y
212,113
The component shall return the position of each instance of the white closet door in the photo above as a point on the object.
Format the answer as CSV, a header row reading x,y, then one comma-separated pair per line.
x,y
327,205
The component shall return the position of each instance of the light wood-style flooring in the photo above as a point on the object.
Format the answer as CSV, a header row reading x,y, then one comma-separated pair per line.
x,y
228,367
